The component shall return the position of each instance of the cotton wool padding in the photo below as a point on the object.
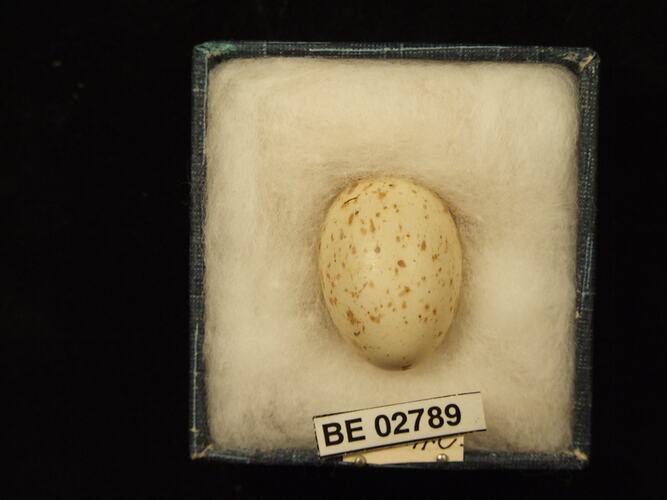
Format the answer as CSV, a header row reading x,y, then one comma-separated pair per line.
x,y
497,141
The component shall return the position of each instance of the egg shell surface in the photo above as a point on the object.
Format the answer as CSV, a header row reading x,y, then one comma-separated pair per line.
x,y
390,268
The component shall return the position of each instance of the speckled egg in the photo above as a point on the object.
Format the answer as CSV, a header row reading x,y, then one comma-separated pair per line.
x,y
390,269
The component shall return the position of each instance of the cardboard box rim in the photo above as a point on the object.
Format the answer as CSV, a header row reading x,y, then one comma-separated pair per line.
x,y
583,62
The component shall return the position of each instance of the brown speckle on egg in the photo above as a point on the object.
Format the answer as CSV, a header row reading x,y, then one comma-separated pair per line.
x,y
351,317
348,201
401,263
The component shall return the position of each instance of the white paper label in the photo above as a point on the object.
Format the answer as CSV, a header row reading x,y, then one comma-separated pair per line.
x,y
344,432
444,449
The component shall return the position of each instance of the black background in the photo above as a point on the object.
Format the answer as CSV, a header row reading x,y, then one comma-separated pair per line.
x,y
95,142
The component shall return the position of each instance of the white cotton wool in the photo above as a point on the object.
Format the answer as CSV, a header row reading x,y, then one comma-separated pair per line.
x,y
497,141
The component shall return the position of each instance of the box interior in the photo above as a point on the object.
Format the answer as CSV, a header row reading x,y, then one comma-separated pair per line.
x,y
497,141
